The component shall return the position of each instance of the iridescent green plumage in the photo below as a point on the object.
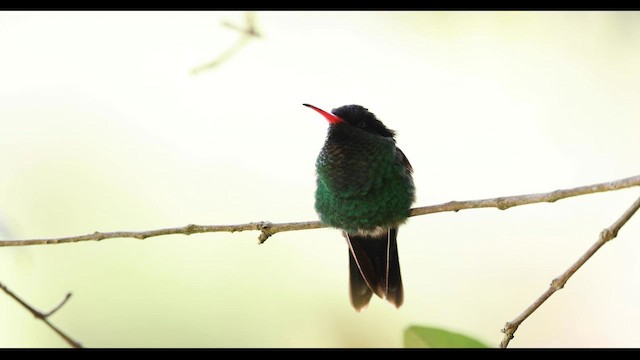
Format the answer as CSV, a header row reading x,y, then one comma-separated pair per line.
x,y
362,182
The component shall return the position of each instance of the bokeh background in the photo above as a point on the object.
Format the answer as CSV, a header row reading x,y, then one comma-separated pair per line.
x,y
104,127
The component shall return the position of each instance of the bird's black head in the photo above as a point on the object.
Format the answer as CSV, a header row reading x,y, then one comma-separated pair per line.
x,y
357,116
360,117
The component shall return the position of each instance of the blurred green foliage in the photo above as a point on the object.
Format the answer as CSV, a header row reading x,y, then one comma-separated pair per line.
x,y
431,337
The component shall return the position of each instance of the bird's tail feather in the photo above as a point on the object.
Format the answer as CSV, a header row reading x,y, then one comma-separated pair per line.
x,y
374,268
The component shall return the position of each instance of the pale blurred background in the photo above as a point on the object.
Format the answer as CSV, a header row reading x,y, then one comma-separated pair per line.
x,y
103,127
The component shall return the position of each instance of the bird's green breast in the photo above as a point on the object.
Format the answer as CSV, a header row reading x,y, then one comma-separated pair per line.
x,y
361,184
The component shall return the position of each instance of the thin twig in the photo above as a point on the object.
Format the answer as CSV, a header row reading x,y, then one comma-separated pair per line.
x,y
558,283
247,32
64,301
267,229
242,41
44,316
250,25
506,202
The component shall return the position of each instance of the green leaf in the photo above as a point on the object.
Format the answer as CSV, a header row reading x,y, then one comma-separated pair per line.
x,y
430,337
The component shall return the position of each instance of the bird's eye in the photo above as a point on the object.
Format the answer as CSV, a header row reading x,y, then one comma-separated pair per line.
x,y
362,124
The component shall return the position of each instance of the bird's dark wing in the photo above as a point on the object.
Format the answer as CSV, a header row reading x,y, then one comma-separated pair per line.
x,y
402,159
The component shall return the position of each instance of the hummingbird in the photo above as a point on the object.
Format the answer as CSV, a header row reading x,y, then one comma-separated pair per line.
x,y
364,187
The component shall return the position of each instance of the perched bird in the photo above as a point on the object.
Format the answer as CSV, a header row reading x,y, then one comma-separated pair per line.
x,y
365,188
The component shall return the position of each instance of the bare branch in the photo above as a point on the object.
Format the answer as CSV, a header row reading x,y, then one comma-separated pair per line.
x,y
55,309
506,202
248,32
250,25
267,229
242,41
44,317
559,282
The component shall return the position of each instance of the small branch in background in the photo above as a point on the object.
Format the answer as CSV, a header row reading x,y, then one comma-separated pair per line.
x,y
267,229
250,22
45,316
558,283
247,32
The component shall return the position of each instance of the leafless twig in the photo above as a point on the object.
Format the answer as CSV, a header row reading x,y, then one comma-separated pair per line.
x,y
247,32
44,316
250,25
267,229
506,202
558,283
